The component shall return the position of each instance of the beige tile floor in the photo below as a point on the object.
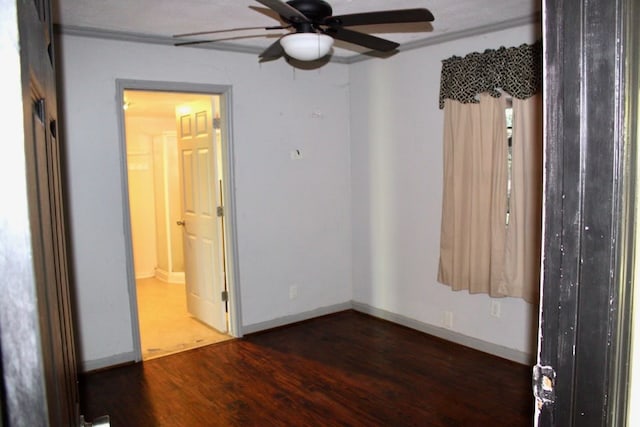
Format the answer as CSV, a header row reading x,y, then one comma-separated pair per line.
x,y
165,325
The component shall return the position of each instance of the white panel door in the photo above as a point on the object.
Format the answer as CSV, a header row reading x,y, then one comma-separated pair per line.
x,y
202,235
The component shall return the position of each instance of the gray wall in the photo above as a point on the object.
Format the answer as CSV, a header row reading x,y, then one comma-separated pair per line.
x,y
396,151
356,220
293,217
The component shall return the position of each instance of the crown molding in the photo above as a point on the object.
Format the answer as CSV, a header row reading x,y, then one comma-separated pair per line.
x,y
98,33
455,35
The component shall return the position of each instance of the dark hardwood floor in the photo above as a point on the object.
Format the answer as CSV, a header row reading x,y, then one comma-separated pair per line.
x,y
345,369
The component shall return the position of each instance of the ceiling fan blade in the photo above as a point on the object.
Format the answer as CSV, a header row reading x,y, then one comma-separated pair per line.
x,y
381,17
200,33
291,14
362,39
274,51
194,42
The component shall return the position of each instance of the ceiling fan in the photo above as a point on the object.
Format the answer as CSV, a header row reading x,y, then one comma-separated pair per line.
x,y
315,28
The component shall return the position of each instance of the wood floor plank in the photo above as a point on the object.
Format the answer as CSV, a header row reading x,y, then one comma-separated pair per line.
x,y
346,369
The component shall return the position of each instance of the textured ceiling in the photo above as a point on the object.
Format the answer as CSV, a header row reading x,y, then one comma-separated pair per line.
x,y
161,19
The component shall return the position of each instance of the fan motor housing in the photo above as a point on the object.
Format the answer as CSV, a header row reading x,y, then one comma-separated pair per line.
x,y
315,10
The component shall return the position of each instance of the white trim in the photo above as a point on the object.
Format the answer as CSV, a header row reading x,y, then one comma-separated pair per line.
x,y
166,196
145,274
170,277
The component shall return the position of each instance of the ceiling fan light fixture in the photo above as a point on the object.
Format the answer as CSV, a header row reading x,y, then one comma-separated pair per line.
x,y
306,46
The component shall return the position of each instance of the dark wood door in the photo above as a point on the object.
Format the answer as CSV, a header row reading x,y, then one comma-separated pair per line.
x,y
36,335
589,200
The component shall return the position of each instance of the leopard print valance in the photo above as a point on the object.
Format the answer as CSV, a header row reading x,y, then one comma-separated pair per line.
x,y
515,70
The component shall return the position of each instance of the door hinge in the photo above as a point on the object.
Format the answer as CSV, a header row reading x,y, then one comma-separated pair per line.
x,y
225,296
102,421
220,211
544,382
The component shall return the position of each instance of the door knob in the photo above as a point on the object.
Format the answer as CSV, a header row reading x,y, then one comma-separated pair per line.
x,y
181,222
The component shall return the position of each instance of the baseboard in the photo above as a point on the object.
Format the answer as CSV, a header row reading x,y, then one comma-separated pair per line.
x,y
286,320
107,362
145,275
169,277
447,334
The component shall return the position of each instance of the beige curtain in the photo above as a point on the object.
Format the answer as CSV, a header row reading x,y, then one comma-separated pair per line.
x,y
474,195
523,239
479,251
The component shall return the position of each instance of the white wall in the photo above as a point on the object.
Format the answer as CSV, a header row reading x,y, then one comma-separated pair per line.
x,y
141,165
396,145
147,204
293,217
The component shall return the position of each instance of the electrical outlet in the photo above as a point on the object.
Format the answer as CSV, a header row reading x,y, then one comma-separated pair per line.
x,y
447,319
293,292
495,308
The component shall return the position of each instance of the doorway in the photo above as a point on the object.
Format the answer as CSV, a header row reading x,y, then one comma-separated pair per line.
x,y
163,286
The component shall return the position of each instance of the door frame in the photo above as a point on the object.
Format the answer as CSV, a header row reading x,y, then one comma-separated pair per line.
x,y
230,229
589,243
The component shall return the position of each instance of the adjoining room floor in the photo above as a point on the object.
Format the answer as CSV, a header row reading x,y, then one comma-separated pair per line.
x,y
165,325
